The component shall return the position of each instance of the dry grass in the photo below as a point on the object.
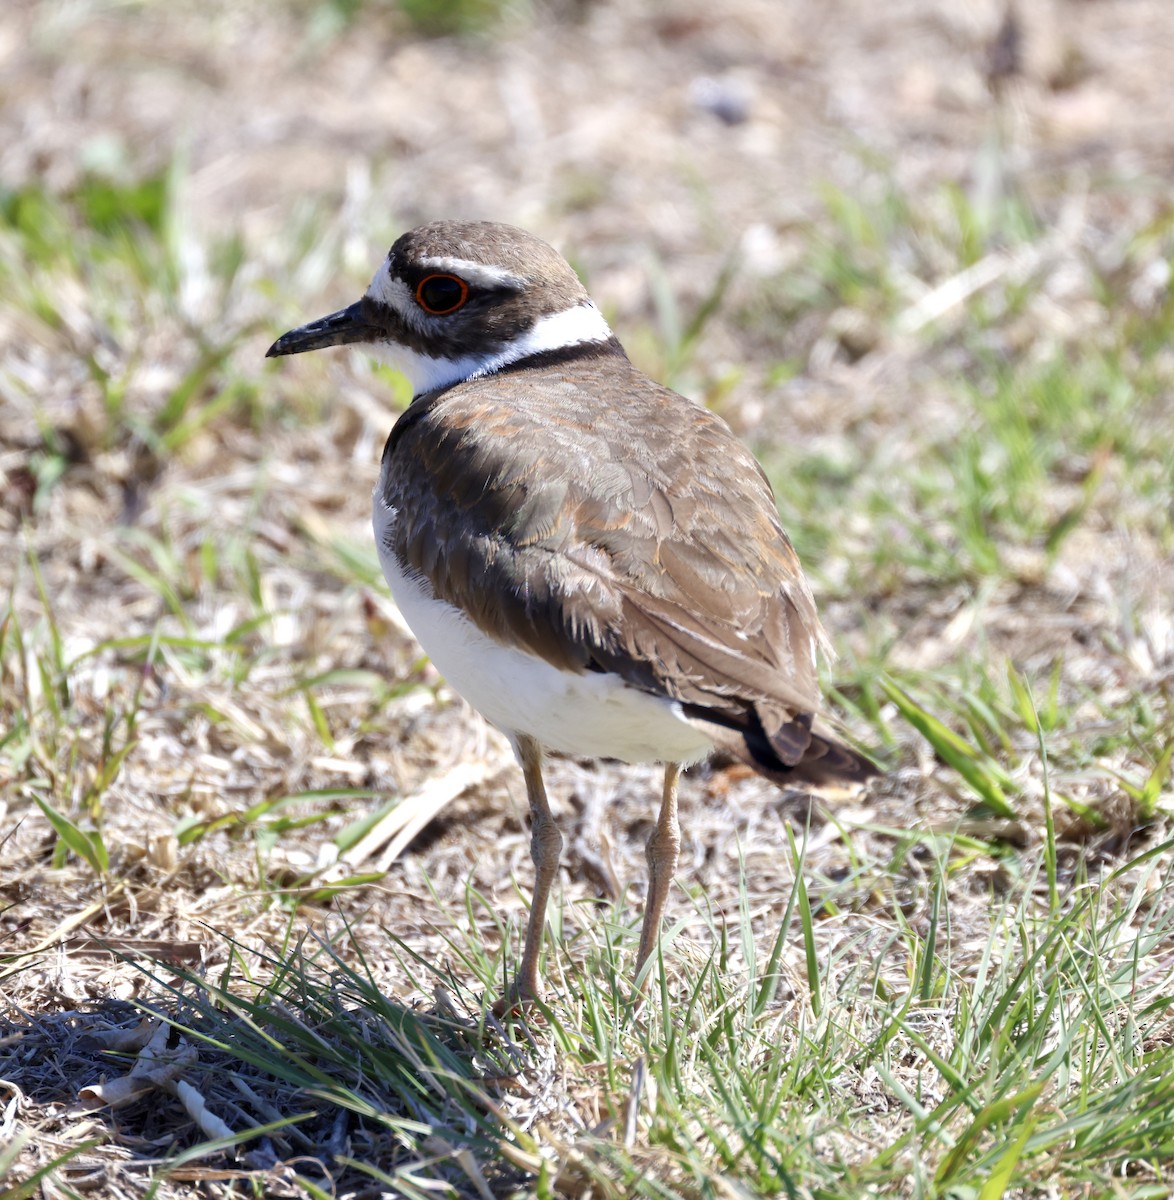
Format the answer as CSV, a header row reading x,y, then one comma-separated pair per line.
x,y
947,335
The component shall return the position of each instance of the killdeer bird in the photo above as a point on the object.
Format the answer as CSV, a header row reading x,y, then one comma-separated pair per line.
x,y
593,561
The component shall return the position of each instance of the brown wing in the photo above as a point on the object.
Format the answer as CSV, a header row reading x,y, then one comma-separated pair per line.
x,y
643,541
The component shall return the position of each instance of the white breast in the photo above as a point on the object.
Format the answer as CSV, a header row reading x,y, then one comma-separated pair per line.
x,y
590,715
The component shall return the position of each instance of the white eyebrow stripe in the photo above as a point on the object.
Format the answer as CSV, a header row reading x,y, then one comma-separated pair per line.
x,y
473,272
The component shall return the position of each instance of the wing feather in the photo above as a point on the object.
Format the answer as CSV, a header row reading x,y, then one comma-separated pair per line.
x,y
641,540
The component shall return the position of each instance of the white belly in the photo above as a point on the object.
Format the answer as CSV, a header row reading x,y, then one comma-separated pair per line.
x,y
590,715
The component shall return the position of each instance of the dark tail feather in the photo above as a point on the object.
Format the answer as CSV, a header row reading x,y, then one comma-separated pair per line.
x,y
818,759
825,762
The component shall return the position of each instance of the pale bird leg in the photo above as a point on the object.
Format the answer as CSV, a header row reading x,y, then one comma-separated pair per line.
x,y
663,851
546,844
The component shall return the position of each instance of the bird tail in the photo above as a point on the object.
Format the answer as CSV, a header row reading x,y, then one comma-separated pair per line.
x,y
825,761
792,755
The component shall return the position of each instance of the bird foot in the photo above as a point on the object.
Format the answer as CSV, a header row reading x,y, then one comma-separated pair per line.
x,y
515,1002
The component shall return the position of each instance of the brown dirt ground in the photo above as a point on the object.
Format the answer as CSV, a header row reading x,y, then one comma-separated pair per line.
x,y
582,123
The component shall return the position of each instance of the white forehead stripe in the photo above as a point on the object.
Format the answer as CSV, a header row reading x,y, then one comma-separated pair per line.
x,y
392,292
572,327
477,274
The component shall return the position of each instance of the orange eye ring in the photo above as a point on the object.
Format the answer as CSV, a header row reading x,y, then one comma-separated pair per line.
x,y
440,295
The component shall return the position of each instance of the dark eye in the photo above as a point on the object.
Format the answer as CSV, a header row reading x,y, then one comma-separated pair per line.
x,y
441,294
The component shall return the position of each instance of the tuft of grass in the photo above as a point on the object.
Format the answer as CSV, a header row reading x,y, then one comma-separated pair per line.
x,y
983,775
930,1058
312,1031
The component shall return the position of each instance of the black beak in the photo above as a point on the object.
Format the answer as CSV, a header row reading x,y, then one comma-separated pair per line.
x,y
346,325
